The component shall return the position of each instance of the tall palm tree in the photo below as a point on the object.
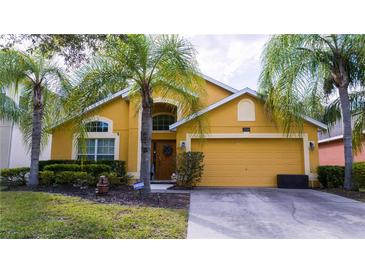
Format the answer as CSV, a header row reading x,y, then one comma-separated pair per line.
x,y
37,78
147,64
298,66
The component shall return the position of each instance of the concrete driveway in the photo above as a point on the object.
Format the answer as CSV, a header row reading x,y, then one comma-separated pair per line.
x,y
274,213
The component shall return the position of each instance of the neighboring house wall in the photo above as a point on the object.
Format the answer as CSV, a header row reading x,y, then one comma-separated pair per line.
x,y
6,129
13,151
20,152
332,153
331,148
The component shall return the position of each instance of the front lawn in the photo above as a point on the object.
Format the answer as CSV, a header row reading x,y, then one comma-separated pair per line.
x,y
43,215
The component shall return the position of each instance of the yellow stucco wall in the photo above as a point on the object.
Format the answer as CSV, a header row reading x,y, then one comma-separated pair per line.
x,y
116,110
224,120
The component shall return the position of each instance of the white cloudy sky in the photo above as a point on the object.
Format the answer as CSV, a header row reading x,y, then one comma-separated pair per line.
x,y
231,59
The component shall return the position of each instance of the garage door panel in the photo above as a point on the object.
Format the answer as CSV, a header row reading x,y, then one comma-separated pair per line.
x,y
249,162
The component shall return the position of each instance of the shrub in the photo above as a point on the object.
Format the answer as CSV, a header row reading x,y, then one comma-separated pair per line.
x,y
189,169
331,176
62,167
116,180
16,176
96,169
46,177
117,166
71,177
358,171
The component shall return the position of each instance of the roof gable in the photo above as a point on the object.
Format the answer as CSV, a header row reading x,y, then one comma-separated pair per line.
x,y
229,99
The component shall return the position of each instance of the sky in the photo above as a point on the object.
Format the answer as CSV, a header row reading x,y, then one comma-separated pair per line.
x,y
232,59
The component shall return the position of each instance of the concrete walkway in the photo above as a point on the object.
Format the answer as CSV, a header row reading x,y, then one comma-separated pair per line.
x,y
274,213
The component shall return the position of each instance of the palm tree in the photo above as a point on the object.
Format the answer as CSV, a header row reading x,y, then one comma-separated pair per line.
x,y
37,78
148,64
298,66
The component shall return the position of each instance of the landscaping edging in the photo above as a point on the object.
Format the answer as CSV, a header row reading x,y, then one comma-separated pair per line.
x,y
355,195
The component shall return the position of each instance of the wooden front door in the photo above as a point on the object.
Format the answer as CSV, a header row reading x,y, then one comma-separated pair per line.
x,y
163,159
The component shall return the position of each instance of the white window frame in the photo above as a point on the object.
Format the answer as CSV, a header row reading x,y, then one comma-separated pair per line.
x,y
96,149
98,135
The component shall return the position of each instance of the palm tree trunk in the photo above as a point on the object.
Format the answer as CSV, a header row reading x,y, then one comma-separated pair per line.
x,y
347,135
146,133
36,135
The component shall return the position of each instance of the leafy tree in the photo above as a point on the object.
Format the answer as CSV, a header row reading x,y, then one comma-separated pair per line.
x,y
148,64
76,49
298,66
38,79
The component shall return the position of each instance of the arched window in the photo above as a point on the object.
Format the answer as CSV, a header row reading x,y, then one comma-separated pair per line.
x,y
97,126
162,121
246,110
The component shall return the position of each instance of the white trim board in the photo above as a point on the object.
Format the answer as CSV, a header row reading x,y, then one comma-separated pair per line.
x,y
303,136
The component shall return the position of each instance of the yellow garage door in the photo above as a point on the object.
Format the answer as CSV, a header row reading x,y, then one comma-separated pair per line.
x,y
249,162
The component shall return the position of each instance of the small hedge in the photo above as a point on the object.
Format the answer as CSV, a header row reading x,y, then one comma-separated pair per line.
x,y
117,166
358,171
46,177
62,167
331,176
14,176
334,176
189,169
72,177
94,169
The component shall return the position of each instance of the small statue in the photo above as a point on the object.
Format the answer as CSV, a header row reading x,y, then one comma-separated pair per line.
x,y
102,186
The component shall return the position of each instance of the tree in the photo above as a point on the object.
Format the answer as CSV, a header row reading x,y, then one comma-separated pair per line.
x,y
149,64
75,49
298,66
38,79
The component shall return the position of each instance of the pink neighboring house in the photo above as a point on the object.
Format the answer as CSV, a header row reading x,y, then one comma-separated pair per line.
x,y
331,152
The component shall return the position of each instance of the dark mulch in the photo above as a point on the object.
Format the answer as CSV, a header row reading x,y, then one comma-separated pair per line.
x,y
356,195
124,195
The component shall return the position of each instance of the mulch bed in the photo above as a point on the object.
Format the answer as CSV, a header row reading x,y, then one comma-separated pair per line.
x,y
124,195
356,195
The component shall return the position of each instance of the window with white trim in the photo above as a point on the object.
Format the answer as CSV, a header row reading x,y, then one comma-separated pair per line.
x,y
97,149
246,110
162,121
97,126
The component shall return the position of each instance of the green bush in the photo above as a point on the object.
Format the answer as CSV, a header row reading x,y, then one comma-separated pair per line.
x,y
62,167
96,169
116,180
46,177
358,171
14,176
72,177
189,169
117,166
331,176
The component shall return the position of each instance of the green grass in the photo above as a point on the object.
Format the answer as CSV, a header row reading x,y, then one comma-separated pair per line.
x,y
50,216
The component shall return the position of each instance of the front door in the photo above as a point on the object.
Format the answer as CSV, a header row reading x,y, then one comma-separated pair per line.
x,y
163,159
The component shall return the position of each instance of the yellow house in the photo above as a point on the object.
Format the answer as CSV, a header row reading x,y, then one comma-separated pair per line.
x,y
242,146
